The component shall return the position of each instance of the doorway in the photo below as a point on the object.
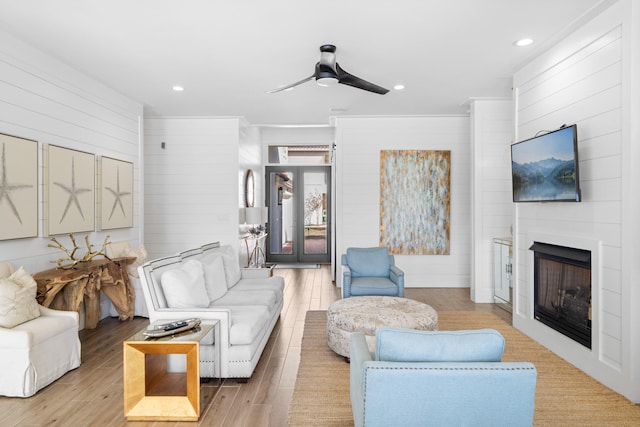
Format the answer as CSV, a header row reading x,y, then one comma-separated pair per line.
x,y
298,198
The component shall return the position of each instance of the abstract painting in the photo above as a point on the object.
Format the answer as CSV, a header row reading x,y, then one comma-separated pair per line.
x,y
116,193
70,185
415,197
18,188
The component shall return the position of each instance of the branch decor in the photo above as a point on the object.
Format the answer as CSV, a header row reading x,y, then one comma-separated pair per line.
x,y
71,253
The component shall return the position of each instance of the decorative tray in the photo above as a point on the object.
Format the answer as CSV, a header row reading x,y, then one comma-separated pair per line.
x,y
171,328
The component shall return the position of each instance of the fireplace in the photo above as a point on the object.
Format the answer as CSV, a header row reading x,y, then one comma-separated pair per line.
x,y
562,290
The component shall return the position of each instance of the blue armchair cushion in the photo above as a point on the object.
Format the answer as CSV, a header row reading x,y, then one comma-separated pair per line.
x,y
373,286
407,345
369,261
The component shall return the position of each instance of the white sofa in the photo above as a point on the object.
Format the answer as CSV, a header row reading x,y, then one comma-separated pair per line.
x,y
208,283
38,345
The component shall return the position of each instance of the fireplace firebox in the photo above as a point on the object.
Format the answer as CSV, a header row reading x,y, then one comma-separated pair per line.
x,y
562,290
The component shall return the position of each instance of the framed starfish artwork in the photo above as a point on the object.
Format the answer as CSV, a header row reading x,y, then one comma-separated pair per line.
x,y
18,187
116,193
69,190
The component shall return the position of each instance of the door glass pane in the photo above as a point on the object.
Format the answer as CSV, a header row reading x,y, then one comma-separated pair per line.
x,y
281,213
315,213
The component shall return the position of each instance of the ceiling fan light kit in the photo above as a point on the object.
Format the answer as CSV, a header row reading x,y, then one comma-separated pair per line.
x,y
327,81
328,73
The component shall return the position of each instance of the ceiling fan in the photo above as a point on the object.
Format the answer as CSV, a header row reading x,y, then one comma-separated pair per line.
x,y
328,72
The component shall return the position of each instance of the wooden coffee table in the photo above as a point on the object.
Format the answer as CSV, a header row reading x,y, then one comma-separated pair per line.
x,y
151,392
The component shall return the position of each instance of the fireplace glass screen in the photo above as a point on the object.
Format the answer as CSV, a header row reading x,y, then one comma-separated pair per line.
x,y
562,290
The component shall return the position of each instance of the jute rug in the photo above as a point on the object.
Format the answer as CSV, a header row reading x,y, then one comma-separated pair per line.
x,y
565,396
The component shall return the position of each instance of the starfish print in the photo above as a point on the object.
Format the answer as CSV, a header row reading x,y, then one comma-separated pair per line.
x,y
6,188
73,192
118,195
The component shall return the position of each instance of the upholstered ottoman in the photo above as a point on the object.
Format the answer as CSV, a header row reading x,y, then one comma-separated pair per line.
x,y
367,313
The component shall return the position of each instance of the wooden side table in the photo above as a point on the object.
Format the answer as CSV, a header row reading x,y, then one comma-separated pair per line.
x,y
67,289
150,391
256,255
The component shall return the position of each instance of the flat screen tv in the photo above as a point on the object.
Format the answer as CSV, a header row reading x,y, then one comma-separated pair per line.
x,y
545,168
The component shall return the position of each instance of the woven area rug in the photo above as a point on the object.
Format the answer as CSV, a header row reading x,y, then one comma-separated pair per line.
x,y
565,396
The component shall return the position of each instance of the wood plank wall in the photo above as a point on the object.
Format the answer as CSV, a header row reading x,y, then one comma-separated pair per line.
x,y
492,207
359,142
188,199
45,100
588,79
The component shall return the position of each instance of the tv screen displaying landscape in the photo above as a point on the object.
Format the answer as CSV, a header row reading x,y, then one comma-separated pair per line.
x,y
545,168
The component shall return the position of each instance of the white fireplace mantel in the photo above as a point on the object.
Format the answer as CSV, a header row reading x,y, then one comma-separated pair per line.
x,y
594,361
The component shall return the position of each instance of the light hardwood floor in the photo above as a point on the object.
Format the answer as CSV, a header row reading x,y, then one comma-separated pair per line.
x,y
92,395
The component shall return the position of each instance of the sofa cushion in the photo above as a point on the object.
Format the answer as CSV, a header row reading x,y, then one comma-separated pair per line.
x,y
407,345
231,264
184,287
247,323
368,261
232,298
18,299
382,286
273,283
214,277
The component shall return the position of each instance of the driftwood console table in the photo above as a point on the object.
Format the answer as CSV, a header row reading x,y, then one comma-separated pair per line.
x,y
66,289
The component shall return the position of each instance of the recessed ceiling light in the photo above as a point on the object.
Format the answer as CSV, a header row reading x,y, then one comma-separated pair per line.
x,y
523,42
178,88
398,87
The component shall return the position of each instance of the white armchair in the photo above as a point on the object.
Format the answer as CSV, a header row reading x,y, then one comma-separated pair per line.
x,y
38,351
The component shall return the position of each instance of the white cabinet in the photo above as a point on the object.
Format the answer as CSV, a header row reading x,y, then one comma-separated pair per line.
x,y
502,269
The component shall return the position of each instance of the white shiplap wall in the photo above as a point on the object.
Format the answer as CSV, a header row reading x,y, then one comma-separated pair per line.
x,y
586,79
491,138
359,141
44,100
250,157
191,192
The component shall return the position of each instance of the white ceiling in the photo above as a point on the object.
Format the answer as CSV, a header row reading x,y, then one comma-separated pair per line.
x,y
227,54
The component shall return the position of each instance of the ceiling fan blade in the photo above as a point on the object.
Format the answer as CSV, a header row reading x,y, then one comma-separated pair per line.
x,y
351,80
280,89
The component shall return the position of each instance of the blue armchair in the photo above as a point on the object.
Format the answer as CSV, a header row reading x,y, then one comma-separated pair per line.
x,y
371,271
438,378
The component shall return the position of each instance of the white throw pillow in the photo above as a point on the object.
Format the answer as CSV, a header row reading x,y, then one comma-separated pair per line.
x,y
214,277
184,287
231,265
141,258
5,269
124,250
118,249
18,299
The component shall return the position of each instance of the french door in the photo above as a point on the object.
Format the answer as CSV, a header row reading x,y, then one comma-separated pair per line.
x,y
298,198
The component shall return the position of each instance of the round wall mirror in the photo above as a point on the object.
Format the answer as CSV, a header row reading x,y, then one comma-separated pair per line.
x,y
249,189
